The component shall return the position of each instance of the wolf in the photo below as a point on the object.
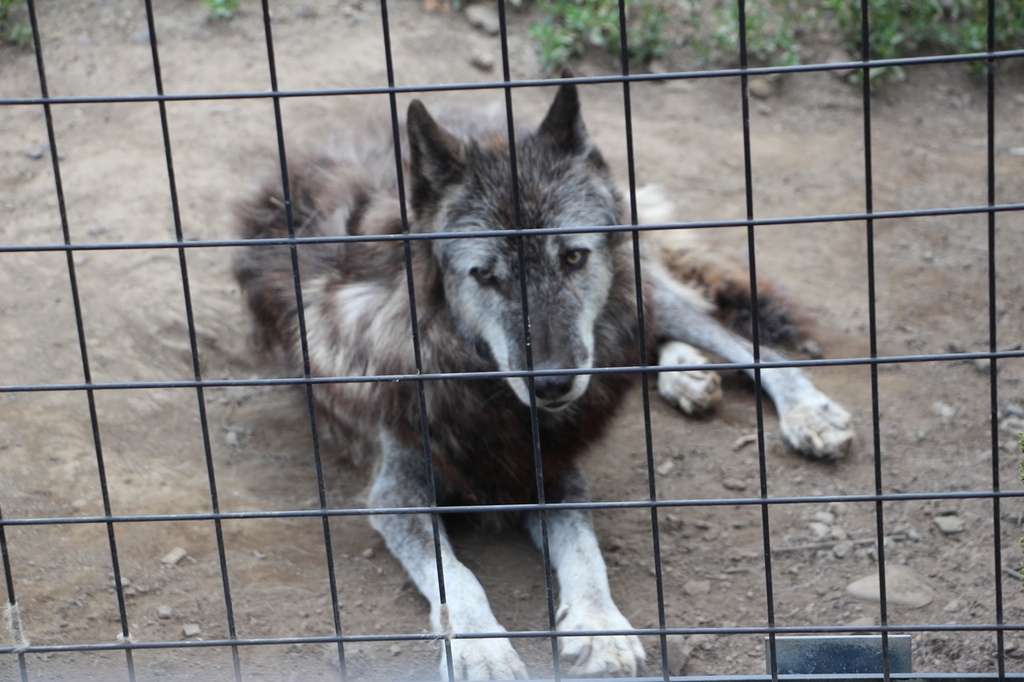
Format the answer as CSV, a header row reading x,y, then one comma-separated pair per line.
x,y
530,315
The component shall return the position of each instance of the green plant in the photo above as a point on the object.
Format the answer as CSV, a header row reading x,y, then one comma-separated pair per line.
x,y
12,30
569,27
771,32
899,29
222,9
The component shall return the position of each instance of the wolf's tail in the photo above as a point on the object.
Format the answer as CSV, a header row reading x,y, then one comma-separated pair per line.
x,y
723,280
266,272
264,215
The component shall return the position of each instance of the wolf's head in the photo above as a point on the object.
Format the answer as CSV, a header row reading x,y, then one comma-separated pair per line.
x,y
463,183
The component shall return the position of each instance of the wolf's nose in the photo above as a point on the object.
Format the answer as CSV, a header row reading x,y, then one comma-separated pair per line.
x,y
552,387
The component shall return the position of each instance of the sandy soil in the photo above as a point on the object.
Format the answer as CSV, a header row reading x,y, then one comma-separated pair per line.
x,y
807,145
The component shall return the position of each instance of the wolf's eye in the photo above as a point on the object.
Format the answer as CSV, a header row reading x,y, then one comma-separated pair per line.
x,y
575,258
483,276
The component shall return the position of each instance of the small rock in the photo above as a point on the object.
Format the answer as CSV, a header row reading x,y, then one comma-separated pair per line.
x,y
140,37
837,509
943,410
191,630
902,586
665,467
482,61
164,612
761,88
841,550
734,484
952,607
37,152
838,534
174,557
395,650
1017,151
950,525
357,17
1012,424
697,587
368,553
819,531
825,517
484,16
231,439
913,535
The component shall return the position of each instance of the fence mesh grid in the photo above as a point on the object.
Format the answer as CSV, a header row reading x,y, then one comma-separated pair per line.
x,y
26,656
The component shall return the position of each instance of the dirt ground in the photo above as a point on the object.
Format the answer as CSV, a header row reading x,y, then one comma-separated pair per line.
x,y
929,151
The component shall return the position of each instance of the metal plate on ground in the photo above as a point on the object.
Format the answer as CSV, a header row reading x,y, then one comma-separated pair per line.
x,y
852,655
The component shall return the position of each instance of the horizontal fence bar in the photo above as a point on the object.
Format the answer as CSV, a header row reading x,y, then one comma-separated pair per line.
x,y
518,634
529,232
522,83
515,508
466,376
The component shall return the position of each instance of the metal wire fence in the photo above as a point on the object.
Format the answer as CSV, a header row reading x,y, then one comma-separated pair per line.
x,y
24,654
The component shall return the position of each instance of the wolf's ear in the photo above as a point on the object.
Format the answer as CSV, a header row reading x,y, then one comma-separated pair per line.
x,y
437,158
563,121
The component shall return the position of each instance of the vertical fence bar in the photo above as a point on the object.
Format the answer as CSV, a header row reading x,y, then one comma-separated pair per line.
x,y
990,97
641,325
303,341
873,328
125,634
762,456
435,521
193,344
545,550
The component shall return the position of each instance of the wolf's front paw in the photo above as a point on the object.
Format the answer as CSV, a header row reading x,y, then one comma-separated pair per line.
x,y
599,655
484,659
818,428
693,391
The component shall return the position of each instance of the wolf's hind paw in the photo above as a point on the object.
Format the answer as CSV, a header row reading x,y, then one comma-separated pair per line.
x,y
818,428
693,391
